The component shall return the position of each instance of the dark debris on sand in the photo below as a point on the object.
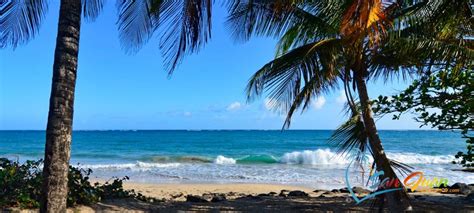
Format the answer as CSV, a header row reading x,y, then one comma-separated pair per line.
x,y
291,201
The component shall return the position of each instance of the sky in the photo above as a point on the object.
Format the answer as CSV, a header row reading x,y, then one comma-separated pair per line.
x,y
116,90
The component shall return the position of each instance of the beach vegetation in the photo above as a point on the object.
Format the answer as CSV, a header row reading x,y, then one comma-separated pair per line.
x,y
20,186
442,99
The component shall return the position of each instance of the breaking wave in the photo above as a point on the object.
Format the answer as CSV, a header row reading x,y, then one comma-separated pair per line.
x,y
306,157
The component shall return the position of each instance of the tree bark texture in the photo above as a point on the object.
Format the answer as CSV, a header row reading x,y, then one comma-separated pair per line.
x,y
61,108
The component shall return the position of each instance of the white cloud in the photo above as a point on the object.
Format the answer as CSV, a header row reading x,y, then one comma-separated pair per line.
x,y
187,114
341,99
234,106
319,102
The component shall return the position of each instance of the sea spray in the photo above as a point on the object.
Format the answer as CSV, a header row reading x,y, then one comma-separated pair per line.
x,y
328,157
223,160
317,157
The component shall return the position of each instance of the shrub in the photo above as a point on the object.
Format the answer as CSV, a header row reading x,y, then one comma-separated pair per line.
x,y
20,186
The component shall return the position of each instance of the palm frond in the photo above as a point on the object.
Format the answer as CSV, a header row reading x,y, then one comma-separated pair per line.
x,y
442,20
429,13
402,168
351,102
406,56
407,8
295,77
365,17
186,27
350,136
307,28
317,83
92,8
20,20
259,17
427,34
274,18
324,78
136,22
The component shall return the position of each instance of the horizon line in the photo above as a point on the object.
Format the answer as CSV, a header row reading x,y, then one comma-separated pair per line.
x,y
420,129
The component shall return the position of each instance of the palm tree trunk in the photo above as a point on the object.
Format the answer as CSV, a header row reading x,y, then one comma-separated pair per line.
x,y
61,107
398,200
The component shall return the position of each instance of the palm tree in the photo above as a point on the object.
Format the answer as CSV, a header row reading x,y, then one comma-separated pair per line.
x,y
186,31
22,19
325,43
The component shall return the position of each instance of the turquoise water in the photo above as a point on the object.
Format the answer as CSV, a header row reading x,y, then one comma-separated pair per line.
x,y
291,157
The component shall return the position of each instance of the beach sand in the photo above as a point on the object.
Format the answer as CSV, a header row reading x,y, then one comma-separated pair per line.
x,y
170,191
260,198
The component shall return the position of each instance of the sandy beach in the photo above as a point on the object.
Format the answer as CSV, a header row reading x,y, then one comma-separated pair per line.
x,y
253,197
177,191
261,198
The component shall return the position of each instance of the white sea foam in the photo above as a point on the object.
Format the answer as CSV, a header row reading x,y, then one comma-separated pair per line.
x,y
328,157
415,158
306,157
290,168
138,164
223,160
317,157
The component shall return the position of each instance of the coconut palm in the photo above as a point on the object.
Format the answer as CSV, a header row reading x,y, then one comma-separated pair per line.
x,y
20,21
326,43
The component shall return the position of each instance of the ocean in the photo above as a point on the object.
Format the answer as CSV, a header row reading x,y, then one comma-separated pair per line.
x,y
295,157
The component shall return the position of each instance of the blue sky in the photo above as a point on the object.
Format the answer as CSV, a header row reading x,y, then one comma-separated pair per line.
x,y
116,90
